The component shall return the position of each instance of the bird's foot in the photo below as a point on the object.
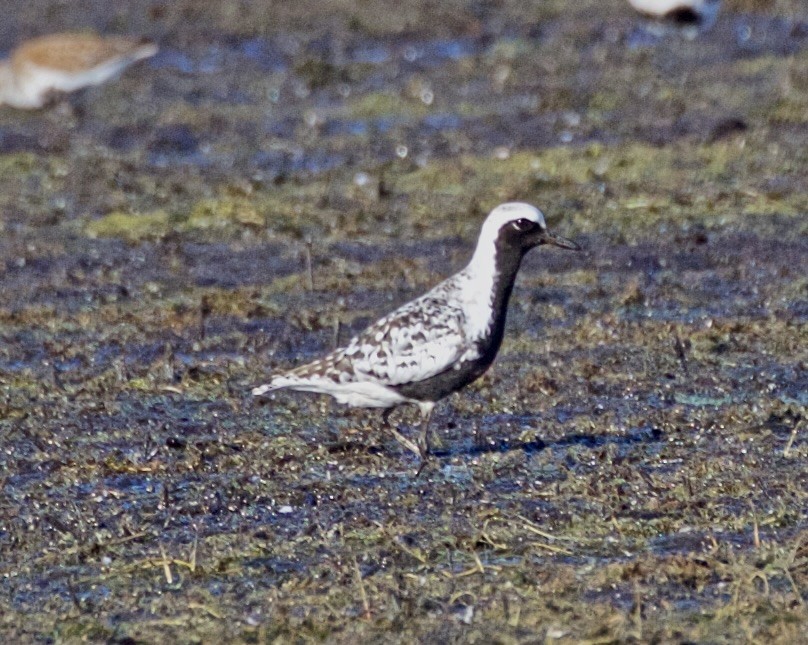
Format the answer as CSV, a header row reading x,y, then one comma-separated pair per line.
x,y
424,449
424,461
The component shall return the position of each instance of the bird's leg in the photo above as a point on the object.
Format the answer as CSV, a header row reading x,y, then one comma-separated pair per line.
x,y
423,442
399,437
479,437
426,411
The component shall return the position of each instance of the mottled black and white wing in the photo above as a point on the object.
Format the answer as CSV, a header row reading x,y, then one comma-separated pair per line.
x,y
414,343
417,341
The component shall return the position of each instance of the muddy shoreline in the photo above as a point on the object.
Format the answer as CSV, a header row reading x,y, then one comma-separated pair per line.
x,y
630,470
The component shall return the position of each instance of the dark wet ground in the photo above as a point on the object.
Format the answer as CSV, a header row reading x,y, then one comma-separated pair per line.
x,y
631,469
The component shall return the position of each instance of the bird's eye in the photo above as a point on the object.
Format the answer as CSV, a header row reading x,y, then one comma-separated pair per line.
x,y
523,224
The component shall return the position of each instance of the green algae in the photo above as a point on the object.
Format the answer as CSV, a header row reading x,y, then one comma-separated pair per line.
x,y
644,180
385,104
205,217
219,213
131,226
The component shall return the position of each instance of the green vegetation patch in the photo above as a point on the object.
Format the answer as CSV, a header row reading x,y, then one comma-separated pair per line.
x,y
132,227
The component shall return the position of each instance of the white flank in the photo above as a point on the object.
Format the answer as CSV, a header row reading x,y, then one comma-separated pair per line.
x,y
362,394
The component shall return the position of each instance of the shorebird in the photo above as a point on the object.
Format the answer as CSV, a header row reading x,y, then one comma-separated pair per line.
x,y
438,343
700,13
40,67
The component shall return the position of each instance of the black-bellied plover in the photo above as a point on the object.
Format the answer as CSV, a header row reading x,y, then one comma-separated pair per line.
x,y
699,13
43,66
438,343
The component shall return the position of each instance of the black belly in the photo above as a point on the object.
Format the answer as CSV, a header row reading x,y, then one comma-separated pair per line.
x,y
443,384
461,374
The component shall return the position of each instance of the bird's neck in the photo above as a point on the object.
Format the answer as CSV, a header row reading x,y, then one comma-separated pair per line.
x,y
491,274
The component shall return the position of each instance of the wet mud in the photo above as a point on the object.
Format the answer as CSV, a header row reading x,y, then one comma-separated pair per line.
x,y
632,468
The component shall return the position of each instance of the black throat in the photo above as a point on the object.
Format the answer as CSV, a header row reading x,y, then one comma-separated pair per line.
x,y
507,261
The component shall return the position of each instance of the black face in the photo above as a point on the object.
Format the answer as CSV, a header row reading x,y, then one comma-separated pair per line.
x,y
523,234
519,235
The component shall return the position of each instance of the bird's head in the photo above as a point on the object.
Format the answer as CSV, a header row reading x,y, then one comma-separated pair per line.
x,y
519,227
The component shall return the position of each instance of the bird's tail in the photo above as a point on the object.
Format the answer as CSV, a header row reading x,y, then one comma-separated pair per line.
x,y
263,389
276,383
145,50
